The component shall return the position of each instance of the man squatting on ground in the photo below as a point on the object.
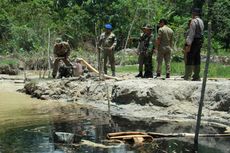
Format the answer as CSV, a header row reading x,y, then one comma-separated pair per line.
x,y
164,45
193,45
61,51
108,43
145,52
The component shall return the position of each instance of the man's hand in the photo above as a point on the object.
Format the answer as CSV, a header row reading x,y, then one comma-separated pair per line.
x,y
155,50
99,48
187,48
111,48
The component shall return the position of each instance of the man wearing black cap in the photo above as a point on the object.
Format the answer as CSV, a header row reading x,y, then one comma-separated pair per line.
x,y
108,43
145,52
194,42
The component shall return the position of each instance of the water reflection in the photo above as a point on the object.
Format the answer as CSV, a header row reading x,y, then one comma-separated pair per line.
x,y
41,139
36,128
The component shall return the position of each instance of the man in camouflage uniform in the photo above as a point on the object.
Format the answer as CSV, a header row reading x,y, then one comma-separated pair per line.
x,y
108,43
164,46
145,52
194,42
61,51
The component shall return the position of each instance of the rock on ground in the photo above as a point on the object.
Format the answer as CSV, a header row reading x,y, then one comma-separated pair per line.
x,y
153,98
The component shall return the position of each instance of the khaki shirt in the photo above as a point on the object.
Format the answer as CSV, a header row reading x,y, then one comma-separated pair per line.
x,y
165,36
61,49
193,32
107,40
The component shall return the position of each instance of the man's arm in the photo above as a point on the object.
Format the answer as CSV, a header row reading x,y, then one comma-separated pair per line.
x,y
191,34
172,40
114,43
190,37
158,40
68,49
55,50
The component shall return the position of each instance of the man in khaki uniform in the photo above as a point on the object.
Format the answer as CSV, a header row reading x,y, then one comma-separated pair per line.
x,y
108,43
61,51
164,45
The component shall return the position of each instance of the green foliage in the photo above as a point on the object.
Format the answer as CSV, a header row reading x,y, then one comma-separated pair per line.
x,y
126,59
221,21
219,70
24,24
13,63
177,69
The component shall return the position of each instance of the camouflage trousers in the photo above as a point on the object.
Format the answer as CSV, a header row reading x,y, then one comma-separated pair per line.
x,y
145,60
57,62
108,54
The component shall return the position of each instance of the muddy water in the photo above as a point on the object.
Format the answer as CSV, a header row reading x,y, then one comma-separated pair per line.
x,y
34,126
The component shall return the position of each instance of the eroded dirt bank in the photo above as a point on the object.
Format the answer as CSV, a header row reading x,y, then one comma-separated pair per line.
x,y
141,99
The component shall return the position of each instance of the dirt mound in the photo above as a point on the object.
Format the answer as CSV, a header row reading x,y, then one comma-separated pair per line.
x,y
151,98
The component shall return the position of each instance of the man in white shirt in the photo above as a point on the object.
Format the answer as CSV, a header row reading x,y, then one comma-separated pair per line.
x,y
194,42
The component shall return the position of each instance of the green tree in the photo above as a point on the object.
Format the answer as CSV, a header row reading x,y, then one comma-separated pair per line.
x,y
220,15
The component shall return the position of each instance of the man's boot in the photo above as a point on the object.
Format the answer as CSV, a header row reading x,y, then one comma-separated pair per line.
x,y
158,75
105,71
54,75
167,75
196,75
148,74
113,73
139,75
188,72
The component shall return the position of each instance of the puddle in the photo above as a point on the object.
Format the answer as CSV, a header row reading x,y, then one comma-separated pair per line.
x,y
35,126
40,139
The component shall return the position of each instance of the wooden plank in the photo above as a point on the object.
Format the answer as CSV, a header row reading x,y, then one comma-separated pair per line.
x,y
92,69
125,133
158,135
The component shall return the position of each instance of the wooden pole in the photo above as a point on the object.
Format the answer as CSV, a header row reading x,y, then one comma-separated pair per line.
x,y
98,51
203,86
48,49
131,28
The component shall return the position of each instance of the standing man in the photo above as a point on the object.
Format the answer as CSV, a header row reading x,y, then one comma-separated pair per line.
x,y
194,42
61,51
145,52
164,45
108,43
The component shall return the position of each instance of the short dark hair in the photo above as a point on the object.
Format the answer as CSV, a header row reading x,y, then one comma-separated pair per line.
x,y
196,10
163,21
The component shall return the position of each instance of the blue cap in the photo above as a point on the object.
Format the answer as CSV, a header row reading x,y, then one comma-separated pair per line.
x,y
108,26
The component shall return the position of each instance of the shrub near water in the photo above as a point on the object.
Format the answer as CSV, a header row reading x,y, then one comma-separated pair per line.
x,y
9,66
